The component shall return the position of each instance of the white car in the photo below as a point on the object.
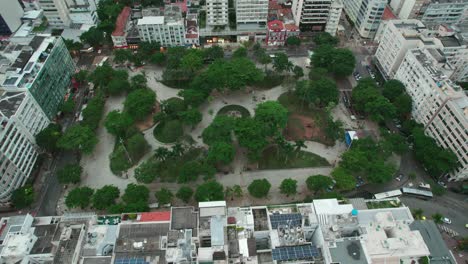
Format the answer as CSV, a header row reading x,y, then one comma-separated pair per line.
x,y
446,220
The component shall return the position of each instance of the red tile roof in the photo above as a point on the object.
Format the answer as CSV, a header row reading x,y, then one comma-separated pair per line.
x,y
291,27
275,25
121,21
155,216
388,14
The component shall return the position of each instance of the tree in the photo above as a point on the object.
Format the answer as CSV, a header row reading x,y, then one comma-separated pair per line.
x,y
259,188
68,106
81,76
403,105
209,191
140,103
122,55
264,58
241,52
135,193
293,41
22,197
380,109
318,183
164,196
158,58
344,180
288,186
213,53
220,152
117,86
79,197
298,144
192,97
184,193
237,190
137,146
281,63
418,214
251,136
48,137
324,38
138,81
105,197
93,37
318,73
70,173
219,130
146,172
102,75
161,153
341,62
392,89
93,112
380,172
436,160
74,46
272,115
298,71
173,106
192,61
189,171
191,117
320,92
437,217
117,123
79,138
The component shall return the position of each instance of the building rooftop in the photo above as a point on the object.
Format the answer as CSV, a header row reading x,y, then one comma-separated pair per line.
x,y
388,14
10,102
121,21
45,235
155,217
275,25
173,14
450,41
184,218
142,237
331,207
349,252
151,20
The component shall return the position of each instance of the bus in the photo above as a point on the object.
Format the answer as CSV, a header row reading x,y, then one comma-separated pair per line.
x,y
103,61
389,194
423,194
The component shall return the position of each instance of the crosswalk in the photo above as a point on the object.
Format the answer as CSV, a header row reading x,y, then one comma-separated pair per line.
x,y
448,230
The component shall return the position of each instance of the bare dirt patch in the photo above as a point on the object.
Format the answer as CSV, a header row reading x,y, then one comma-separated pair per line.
x,y
302,127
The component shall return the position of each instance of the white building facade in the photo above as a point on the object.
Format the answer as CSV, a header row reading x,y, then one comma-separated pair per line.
x,y
408,9
444,12
70,13
22,118
251,12
366,15
10,17
317,15
333,21
154,29
217,12
438,103
56,13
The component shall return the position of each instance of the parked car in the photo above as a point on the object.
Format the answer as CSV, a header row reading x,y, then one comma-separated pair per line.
x,y
446,220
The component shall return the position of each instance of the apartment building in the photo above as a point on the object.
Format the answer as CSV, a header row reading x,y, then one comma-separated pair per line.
x,y
408,9
56,12
217,12
10,17
70,13
444,12
317,15
167,29
395,38
438,103
365,14
323,231
21,119
122,27
33,68
251,13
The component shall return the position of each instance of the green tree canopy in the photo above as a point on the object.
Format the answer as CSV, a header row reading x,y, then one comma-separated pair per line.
x,y
192,61
241,52
70,173
219,130
78,137
93,112
259,188
164,196
298,71
138,81
158,58
320,92
341,62
380,109
122,55
191,117
318,183
293,41
403,105
105,197
344,180
94,37
137,146
49,137
324,38
81,76
173,106
117,123
135,193
184,193
288,186
213,53
193,97
79,197
146,172
251,136
220,152
209,191
272,115
22,197
281,63
392,89
140,103
102,75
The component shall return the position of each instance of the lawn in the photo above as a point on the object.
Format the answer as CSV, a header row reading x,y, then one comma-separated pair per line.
x,y
168,132
273,160
237,108
383,204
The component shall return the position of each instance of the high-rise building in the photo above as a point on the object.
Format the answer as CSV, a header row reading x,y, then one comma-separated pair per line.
x,y
33,68
395,38
317,15
439,105
251,13
365,14
217,12
444,12
70,13
10,17
168,30
56,12
21,119
408,9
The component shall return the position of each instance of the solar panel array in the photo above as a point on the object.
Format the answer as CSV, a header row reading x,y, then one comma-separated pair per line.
x,y
292,220
294,253
130,261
